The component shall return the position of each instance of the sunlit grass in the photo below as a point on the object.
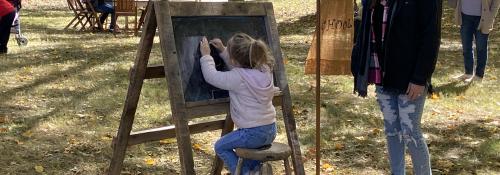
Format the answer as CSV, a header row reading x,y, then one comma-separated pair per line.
x,y
62,97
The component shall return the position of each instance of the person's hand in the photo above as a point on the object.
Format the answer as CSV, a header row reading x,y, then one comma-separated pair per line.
x,y
217,43
414,91
204,47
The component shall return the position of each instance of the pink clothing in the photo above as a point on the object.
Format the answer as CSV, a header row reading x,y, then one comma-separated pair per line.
x,y
251,92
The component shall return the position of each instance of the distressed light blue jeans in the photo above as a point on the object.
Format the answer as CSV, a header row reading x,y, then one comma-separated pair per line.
x,y
244,138
402,129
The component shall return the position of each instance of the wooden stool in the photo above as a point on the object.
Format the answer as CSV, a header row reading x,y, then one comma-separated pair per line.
x,y
273,152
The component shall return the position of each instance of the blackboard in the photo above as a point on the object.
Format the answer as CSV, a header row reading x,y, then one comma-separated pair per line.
x,y
188,31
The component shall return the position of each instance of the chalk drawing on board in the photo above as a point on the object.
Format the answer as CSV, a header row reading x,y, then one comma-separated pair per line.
x,y
194,85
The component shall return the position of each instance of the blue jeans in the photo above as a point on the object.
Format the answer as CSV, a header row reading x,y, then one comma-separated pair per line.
x,y
106,9
402,129
244,138
468,30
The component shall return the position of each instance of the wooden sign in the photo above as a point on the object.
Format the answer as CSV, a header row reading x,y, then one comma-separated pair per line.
x,y
337,33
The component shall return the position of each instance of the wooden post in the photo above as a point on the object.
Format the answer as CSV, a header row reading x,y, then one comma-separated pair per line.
x,y
318,86
280,74
175,91
138,72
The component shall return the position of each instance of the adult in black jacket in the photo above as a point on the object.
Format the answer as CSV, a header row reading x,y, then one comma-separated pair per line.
x,y
396,49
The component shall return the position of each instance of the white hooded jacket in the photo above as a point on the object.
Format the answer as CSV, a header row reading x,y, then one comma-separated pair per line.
x,y
251,92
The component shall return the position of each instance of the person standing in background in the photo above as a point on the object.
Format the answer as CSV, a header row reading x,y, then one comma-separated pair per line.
x,y
7,14
476,19
396,50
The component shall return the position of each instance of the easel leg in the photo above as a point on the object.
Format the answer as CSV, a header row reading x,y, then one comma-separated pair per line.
x,y
172,73
291,132
218,164
134,90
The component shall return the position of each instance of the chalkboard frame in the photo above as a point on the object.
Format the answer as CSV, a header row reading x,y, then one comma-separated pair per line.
x,y
182,109
224,9
159,16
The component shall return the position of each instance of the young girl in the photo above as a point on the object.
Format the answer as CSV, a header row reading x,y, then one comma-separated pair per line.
x,y
251,90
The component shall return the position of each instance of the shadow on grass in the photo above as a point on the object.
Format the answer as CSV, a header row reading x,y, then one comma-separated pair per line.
x,y
453,88
303,26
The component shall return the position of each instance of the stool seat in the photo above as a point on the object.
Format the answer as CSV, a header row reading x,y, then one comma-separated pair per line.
x,y
277,151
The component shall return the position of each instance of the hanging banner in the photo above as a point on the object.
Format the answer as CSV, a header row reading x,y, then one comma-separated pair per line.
x,y
337,32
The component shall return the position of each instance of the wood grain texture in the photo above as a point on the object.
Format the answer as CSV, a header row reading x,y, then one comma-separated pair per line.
x,y
134,91
280,74
172,72
155,71
218,8
167,132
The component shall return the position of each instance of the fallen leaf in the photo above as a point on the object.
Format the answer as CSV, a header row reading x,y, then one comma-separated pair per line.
x,y
376,131
106,138
196,146
434,96
19,142
28,133
326,166
39,169
2,130
150,161
339,146
2,119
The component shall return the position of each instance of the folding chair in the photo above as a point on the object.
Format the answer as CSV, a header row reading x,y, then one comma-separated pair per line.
x,y
81,15
126,8
143,16
93,15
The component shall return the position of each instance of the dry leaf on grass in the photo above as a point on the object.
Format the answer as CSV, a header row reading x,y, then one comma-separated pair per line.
x,y
197,147
150,161
39,169
434,96
2,130
339,146
28,133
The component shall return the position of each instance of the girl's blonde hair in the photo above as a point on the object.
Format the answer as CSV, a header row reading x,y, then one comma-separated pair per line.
x,y
249,53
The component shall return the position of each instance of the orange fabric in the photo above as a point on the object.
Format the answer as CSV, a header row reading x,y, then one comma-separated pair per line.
x,y
337,32
5,8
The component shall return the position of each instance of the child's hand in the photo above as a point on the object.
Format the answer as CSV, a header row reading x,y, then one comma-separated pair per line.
x,y
217,43
204,47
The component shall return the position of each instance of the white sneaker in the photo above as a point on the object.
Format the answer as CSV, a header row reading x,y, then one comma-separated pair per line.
x,y
465,77
477,79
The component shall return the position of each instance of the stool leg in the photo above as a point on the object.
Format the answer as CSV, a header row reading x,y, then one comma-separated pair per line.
x,y
238,167
288,171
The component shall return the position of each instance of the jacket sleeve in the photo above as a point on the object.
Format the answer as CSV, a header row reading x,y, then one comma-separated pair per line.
x,y
229,80
428,43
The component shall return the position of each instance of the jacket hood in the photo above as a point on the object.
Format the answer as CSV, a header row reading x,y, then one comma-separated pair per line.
x,y
259,83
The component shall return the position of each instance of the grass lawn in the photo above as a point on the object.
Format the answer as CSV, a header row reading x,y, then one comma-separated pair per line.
x,y
61,98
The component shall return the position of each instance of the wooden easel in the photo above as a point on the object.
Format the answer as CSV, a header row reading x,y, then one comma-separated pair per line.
x,y
160,15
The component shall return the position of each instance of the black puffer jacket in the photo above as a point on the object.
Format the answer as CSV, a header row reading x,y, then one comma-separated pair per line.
x,y
411,48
